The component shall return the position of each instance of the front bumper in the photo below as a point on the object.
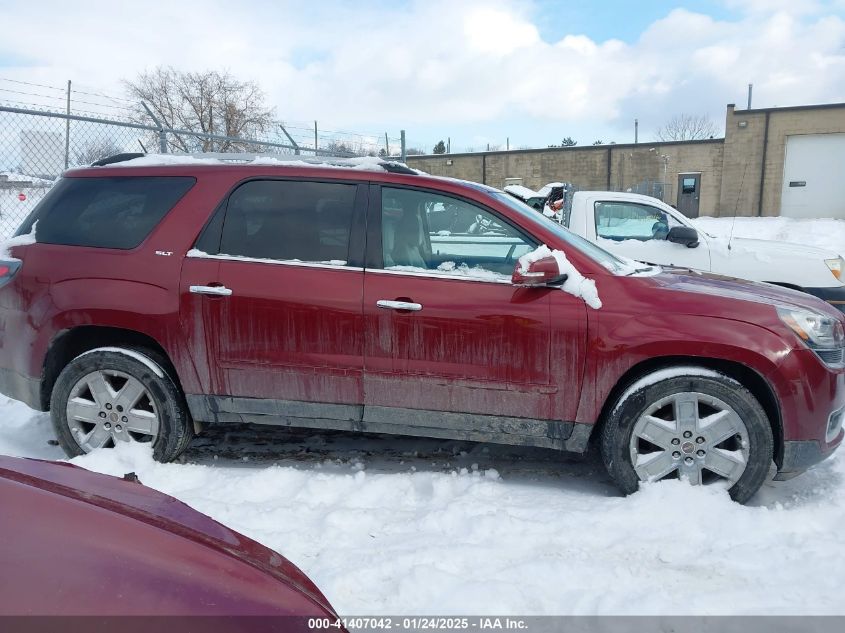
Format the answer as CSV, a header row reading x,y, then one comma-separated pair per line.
x,y
834,295
798,456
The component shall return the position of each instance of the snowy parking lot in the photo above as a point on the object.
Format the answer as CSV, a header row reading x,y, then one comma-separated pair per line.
x,y
390,525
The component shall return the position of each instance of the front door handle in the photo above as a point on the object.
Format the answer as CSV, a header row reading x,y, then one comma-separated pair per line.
x,y
399,305
220,291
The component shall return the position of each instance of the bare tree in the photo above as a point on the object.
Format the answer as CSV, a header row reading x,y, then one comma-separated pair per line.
x,y
687,127
209,101
94,150
341,148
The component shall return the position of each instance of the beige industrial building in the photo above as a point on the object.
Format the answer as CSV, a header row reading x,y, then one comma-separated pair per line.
x,y
772,161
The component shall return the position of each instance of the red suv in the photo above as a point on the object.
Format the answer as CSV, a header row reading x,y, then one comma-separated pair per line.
x,y
147,298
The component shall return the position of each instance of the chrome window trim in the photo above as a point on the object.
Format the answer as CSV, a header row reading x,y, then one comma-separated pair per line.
x,y
430,275
284,262
275,262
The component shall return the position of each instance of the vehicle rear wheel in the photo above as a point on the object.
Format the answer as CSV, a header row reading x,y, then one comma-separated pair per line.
x,y
689,423
111,395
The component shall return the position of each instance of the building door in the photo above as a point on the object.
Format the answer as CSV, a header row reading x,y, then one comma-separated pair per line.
x,y
689,191
813,186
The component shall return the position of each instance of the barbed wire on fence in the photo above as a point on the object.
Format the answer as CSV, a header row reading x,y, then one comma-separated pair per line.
x,y
38,143
81,99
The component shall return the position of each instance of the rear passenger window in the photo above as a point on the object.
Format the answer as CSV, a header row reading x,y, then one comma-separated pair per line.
x,y
289,220
105,212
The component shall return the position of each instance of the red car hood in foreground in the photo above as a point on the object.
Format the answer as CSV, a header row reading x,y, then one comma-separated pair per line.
x,y
73,542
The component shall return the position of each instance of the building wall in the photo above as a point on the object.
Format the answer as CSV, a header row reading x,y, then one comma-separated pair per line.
x,y
733,178
601,167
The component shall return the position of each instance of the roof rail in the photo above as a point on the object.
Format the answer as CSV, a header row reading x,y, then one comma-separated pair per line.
x,y
117,158
392,166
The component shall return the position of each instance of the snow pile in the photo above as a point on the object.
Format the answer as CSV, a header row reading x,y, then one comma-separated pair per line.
x,y
387,525
20,240
576,284
364,163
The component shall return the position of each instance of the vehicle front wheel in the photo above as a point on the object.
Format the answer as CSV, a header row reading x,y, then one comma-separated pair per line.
x,y
690,423
112,395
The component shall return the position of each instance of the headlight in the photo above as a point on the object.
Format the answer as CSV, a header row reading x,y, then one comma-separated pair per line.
x,y
836,266
821,333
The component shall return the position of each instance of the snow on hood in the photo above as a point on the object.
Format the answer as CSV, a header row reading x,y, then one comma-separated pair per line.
x,y
576,284
774,248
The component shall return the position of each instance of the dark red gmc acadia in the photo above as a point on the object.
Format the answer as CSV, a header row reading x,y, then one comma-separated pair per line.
x,y
142,301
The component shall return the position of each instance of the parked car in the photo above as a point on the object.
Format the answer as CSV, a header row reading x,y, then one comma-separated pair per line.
x,y
75,543
145,299
646,229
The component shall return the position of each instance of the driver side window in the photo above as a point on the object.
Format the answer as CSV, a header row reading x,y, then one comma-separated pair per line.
x,y
620,221
444,235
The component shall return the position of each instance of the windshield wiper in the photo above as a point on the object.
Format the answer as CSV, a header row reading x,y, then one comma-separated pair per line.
x,y
639,270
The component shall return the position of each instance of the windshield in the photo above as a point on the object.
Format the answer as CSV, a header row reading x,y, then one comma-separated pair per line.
x,y
597,253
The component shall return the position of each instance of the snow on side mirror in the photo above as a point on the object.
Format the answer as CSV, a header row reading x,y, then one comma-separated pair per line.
x,y
542,272
683,235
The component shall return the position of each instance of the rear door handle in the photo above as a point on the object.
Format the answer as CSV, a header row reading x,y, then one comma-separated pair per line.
x,y
399,305
220,291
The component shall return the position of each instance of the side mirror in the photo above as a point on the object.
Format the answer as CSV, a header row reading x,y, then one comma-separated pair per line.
x,y
543,272
683,235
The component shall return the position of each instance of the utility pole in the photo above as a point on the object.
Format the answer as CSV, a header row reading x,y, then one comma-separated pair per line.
x,y
67,129
386,146
750,87
636,130
402,141
448,144
508,144
315,138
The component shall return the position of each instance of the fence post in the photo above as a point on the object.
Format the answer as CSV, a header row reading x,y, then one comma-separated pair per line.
x,y
290,138
162,135
402,140
67,129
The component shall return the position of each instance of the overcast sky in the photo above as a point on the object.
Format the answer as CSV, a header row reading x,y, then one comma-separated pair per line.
x,y
476,71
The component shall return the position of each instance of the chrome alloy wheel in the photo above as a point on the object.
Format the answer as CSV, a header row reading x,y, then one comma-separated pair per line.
x,y
690,435
108,406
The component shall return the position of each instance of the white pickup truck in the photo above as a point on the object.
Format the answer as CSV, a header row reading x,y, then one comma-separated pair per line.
x,y
648,230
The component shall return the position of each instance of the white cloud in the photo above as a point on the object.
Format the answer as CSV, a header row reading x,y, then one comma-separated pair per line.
x,y
441,62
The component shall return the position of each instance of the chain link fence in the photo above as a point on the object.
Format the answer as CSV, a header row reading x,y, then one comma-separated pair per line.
x,y
36,146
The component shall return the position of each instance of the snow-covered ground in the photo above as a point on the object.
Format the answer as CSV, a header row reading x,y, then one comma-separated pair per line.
x,y
388,525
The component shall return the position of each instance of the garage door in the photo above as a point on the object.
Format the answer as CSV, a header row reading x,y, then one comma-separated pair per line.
x,y
813,186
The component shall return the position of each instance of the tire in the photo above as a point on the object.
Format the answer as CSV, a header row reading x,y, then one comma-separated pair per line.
x,y
645,425
114,394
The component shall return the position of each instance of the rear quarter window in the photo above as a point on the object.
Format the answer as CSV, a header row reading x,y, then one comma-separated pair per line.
x,y
105,212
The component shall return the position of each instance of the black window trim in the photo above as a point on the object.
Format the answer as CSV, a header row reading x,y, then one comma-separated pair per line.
x,y
357,230
143,243
374,259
